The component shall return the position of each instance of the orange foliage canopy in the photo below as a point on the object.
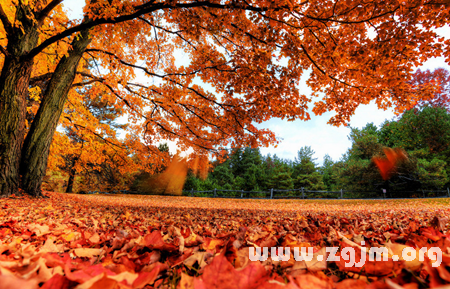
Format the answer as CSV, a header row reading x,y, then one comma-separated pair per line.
x,y
242,63
388,163
437,82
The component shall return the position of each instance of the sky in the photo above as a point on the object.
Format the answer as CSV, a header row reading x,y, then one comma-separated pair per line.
x,y
324,138
316,133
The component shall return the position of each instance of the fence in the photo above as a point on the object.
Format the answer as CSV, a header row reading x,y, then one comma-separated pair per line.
x,y
274,193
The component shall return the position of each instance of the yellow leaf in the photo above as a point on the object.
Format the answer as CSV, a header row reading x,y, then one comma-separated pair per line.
x,y
87,252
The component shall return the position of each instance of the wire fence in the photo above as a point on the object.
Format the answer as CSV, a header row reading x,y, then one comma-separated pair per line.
x,y
303,193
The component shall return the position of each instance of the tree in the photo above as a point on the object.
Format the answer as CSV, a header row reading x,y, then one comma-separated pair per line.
x,y
426,128
242,159
281,178
94,144
97,163
250,157
305,172
327,172
223,176
424,133
436,81
233,45
304,163
313,181
89,145
432,173
254,178
355,171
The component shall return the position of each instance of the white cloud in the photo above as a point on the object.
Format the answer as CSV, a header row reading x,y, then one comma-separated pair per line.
x,y
320,136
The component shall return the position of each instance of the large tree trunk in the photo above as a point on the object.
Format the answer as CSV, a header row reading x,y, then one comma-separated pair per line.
x,y
37,143
13,90
14,81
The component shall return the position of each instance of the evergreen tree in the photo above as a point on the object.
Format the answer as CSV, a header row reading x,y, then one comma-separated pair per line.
x,y
281,178
254,177
424,133
356,172
223,176
235,162
305,173
327,172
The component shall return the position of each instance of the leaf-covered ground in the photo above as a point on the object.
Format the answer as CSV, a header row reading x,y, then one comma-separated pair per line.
x,y
97,241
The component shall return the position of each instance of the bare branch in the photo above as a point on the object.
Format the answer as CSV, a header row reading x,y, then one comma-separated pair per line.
x,y
336,20
78,84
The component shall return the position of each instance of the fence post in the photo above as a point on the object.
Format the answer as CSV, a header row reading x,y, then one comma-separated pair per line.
x,y
192,192
242,194
448,192
342,194
303,193
271,193
215,193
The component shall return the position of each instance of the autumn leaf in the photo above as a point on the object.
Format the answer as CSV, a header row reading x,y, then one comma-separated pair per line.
x,y
221,274
388,164
12,281
87,252
146,252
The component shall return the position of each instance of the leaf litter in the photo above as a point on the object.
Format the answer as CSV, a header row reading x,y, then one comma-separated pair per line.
x,y
123,241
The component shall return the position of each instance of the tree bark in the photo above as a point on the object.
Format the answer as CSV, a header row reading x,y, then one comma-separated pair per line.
x,y
37,143
14,81
13,87
72,172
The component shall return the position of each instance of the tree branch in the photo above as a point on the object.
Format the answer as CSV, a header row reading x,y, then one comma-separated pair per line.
x,y
146,10
166,76
40,78
101,80
4,51
6,23
325,73
168,31
96,134
46,11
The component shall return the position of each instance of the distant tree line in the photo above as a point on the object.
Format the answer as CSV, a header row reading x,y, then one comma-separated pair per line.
x,y
423,132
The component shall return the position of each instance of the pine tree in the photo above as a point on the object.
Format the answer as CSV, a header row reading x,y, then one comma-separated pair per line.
x,y
305,173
